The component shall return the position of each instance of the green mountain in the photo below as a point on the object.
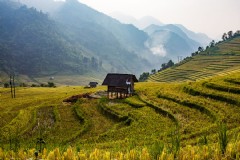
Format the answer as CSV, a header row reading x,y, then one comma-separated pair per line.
x,y
101,34
69,39
221,59
120,45
74,40
32,44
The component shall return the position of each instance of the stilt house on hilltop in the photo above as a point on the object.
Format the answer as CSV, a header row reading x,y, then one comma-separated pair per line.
x,y
120,85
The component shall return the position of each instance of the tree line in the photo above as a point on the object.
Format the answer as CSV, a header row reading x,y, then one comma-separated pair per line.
x,y
226,36
144,76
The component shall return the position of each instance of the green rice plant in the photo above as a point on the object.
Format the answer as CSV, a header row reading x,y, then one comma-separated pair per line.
x,y
112,113
175,142
56,114
86,124
222,137
222,87
135,102
157,149
190,105
203,139
234,81
214,96
159,110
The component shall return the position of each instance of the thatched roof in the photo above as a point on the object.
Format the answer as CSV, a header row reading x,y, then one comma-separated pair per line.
x,y
118,80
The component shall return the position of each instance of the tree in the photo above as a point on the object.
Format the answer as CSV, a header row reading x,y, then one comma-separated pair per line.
x,y
170,63
200,49
167,65
51,84
230,34
212,43
224,36
153,71
144,76
237,33
207,47
163,66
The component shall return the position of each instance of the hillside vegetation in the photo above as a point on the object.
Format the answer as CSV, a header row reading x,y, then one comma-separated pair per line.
x,y
38,46
162,118
32,45
223,58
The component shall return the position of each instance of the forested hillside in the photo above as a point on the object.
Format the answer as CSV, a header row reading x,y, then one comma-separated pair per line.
x,y
32,44
37,46
119,46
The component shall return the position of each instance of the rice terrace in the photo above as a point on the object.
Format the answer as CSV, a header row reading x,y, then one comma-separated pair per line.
x,y
192,118
119,80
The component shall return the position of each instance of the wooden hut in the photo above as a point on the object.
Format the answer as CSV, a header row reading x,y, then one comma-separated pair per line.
x,y
93,84
120,85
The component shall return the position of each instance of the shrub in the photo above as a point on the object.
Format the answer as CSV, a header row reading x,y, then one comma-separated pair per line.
x,y
51,84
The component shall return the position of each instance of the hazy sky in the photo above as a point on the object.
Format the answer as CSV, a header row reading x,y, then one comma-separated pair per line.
x,y
212,17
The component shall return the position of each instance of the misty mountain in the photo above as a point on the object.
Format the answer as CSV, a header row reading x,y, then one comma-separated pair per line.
x,y
141,23
170,41
75,14
47,6
158,43
74,39
118,44
32,44
169,44
64,38
201,38
147,21
127,35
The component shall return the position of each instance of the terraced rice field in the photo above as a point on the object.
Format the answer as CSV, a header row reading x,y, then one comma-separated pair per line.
x,y
157,113
222,59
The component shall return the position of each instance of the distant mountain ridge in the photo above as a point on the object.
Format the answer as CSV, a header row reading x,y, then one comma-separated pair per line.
x,y
188,41
141,23
203,39
73,38
106,37
147,21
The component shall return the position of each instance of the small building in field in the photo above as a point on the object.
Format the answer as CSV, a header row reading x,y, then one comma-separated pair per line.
x,y
93,84
120,85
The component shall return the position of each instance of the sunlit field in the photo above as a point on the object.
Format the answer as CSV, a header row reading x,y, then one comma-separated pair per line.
x,y
164,120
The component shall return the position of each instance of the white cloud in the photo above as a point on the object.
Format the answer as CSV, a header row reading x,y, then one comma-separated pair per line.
x,y
159,50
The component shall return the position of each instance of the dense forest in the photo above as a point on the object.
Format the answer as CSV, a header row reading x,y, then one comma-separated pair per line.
x,y
32,44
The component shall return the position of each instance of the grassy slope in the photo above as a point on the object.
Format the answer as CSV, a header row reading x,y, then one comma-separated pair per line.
x,y
196,107
222,59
